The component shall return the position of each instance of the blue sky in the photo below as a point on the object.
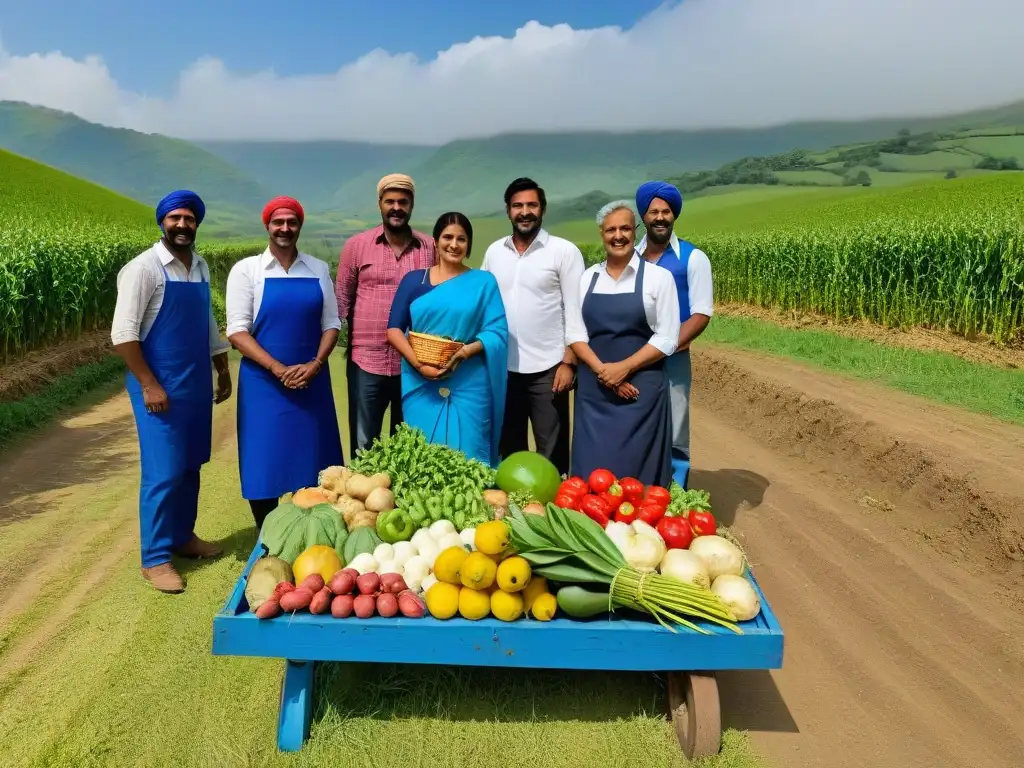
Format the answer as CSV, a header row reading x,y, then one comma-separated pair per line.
x,y
146,44
429,71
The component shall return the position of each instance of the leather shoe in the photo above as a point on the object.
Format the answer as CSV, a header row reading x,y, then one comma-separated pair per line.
x,y
164,577
197,548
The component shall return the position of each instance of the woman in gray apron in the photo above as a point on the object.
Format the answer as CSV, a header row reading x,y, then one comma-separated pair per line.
x,y
626,325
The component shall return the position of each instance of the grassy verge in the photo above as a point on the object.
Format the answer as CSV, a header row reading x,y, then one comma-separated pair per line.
x,y
21,416
937,376
129,679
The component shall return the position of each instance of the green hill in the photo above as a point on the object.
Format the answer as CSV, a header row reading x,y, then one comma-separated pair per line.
x,y
143,166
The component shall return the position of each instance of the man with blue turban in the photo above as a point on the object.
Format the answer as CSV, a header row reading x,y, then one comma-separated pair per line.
x,y
659,204
164,329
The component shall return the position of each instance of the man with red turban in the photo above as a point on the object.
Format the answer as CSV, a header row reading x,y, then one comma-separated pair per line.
x,y
282,316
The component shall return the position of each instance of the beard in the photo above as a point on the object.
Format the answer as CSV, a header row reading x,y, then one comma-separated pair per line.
x,y
396,222
660,237
527,225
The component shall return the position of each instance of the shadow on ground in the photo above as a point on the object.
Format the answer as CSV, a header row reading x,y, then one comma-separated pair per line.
x,y
731,490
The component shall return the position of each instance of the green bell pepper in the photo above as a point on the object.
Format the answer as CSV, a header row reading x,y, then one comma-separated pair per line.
x,y
395,526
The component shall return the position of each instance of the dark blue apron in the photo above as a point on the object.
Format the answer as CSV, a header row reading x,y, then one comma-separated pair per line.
x,y
286,436
628,438
173,445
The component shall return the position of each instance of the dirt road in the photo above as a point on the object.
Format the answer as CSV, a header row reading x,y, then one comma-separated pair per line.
x,y
888,535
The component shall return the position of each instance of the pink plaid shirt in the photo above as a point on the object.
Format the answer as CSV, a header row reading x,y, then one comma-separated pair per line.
x,y
368,276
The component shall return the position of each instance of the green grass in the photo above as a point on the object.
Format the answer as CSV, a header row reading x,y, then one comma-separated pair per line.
x,y
128,679
997,146
820,177
936,376
933,161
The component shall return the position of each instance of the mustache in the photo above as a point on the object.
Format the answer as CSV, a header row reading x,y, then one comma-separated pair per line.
x,y
526,219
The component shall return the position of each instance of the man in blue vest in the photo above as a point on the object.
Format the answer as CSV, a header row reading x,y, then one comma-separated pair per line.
x,y
659,204
164,329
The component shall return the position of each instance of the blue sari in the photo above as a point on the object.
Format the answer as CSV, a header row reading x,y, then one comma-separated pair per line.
x,y
465,408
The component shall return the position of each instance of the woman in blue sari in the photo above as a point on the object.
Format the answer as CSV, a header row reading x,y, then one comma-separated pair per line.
x,y
462,404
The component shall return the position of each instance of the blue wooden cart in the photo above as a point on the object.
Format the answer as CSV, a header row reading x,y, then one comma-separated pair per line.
x,y
303,639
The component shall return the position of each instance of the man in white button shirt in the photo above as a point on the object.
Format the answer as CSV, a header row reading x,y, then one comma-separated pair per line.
x,y
539,276
164,329
660,203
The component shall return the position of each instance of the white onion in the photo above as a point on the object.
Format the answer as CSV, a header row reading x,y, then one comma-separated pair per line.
x,y
416,568
364,563
721,555
439,528
468,536
383,553
421,536
450,540
403,551
684,565
428,550
738,595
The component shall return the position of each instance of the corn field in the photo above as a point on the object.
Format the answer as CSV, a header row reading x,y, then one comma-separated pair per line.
x,y
62,243
946,255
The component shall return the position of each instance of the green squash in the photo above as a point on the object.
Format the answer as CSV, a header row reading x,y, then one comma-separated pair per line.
x,y
529,471
362,540
290,530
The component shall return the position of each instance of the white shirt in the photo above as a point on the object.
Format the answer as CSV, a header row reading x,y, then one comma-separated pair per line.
x,y
698,277
661,302
140,294
245,288
535,288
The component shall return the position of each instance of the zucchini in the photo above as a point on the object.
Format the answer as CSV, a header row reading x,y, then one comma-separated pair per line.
x,y
582,603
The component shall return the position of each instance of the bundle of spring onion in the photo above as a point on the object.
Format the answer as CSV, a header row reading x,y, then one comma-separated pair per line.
x,y
568,547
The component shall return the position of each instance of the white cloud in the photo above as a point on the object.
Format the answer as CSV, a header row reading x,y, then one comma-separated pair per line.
x,y
698,63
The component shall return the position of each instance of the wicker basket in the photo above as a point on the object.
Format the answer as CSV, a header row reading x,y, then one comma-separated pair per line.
x,y
433,350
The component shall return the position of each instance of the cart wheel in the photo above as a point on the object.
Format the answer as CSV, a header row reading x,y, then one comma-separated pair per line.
x,y
696,712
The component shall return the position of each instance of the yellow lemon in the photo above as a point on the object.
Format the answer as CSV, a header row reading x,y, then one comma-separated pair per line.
x,y
478,571
506,606
537,586
473,604
513,573
448,565
544,607
491,537
442,600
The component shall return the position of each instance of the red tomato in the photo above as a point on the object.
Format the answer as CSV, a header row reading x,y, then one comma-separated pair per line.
x,y
703,523
595,508
632,489
566,501
650,513
614,496
626,513
676,532
600,480
577,483
568,488
658,494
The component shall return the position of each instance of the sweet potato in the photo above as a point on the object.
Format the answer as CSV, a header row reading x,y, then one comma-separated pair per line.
x,y
314,582
343,582
321,602
387,604
411,606
268,609
282,588
341,606
368,583
393,583
297,600
364,606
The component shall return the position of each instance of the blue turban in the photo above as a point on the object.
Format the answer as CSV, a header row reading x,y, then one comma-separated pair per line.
x,y
181,198
649,190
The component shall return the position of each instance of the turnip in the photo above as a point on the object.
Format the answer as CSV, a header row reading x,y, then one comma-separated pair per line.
x,y
685,566
738,595
721,555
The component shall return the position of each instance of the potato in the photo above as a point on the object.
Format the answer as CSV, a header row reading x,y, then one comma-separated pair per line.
x,y
411,606
321,602
314,582
387,604
364,606
297,600
343,582
359,487
341,606
380,500
368,583
381,480
393,583
269,609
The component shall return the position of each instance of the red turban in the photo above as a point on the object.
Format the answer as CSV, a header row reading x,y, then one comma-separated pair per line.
x,y
282,202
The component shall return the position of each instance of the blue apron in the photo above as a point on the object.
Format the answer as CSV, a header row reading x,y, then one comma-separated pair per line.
x,y
173,445
628,438
286,436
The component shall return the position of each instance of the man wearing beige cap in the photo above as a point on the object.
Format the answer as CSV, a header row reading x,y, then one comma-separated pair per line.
x,y
371,266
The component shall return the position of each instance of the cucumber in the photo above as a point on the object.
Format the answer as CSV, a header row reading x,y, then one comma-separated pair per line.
x,y
582,603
